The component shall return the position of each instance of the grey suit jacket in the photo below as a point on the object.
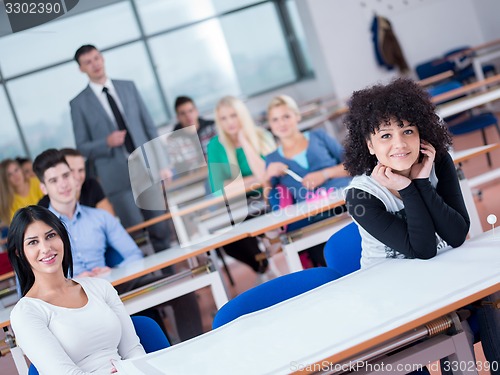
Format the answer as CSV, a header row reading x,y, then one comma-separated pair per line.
x,y
91,126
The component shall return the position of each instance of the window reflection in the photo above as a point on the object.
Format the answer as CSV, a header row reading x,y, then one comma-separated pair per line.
x,y
259,54
57,41
299,33
10,143
195,61
158,15
120,65
42,106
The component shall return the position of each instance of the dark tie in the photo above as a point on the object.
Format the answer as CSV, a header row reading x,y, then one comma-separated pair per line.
x,y
129,144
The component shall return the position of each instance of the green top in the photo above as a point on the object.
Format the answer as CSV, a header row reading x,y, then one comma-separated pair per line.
x,y
219,169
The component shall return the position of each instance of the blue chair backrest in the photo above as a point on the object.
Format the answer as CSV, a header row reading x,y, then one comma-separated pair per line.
x,y
112,257
443,87
433,67
343,250
273,292
149,332
457,50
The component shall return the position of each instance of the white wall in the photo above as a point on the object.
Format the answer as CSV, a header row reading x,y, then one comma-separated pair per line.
x,y
488,12
425,29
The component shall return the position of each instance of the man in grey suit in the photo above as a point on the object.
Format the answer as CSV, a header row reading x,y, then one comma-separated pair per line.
x,y
107,135
110,120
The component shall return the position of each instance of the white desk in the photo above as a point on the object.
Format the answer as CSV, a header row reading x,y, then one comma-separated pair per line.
x,y
338,320
480,58
466,184
471,101
290,214
155,295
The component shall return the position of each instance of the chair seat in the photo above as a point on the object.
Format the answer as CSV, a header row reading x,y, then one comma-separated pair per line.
x,y
473,123
272,292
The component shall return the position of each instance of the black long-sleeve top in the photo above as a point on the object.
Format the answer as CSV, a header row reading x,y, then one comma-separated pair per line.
x,y
411,232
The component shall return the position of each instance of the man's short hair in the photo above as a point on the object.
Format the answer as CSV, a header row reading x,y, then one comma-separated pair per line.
x,y
83,50
47,159
182,100
70,152
21,160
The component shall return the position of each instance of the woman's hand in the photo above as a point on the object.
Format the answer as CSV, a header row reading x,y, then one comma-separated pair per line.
x,y
387,178
423,169
275,169
314,179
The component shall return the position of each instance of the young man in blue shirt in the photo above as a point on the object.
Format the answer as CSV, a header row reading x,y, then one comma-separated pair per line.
x,y
93,230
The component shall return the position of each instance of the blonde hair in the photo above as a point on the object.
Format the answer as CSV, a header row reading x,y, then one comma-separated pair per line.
x,y
257,137
285,100
6,190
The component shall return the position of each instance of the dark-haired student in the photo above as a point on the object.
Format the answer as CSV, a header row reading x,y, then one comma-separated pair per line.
x,y
88,190
92,230
405,195
64,326
27,166
188,115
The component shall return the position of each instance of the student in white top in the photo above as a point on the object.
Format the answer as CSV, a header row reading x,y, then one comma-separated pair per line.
x,y
64,326
405,195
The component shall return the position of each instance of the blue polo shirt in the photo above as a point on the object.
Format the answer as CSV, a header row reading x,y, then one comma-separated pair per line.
x,y
91,232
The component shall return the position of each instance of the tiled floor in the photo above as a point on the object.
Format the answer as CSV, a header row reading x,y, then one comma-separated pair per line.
x,y
245,278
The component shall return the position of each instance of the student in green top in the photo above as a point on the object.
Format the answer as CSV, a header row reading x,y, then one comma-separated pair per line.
x,y
241,144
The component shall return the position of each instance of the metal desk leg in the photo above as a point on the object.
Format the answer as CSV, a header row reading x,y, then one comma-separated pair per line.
x,y
17,353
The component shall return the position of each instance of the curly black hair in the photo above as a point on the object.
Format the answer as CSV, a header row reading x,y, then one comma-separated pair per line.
x,y
402,99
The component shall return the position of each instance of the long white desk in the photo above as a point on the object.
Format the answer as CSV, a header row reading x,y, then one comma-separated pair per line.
x,y
469,102
337,320
251,227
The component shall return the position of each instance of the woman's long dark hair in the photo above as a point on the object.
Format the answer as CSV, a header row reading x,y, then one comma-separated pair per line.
x,y
15,243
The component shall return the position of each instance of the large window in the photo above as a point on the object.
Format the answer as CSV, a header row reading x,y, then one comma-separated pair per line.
x,y
258,49
201,68
57,41
10,142
202,48
41,101
161,15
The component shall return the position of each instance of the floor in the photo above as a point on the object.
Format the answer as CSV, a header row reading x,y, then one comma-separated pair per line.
x,y
487,203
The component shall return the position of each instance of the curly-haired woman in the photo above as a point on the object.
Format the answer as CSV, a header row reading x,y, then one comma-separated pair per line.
x,y
405,195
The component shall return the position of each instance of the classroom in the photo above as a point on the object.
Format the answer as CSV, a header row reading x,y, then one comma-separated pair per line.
x,y
278,186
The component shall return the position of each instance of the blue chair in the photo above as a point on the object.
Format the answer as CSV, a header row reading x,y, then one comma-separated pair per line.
x,y
343,250
150,335
273,292
432,67
439,65
466,73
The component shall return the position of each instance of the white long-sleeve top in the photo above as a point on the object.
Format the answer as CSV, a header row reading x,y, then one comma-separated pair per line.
x,y
76,341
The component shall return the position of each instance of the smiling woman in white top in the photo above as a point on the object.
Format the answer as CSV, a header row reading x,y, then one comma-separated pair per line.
x,y
64,326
